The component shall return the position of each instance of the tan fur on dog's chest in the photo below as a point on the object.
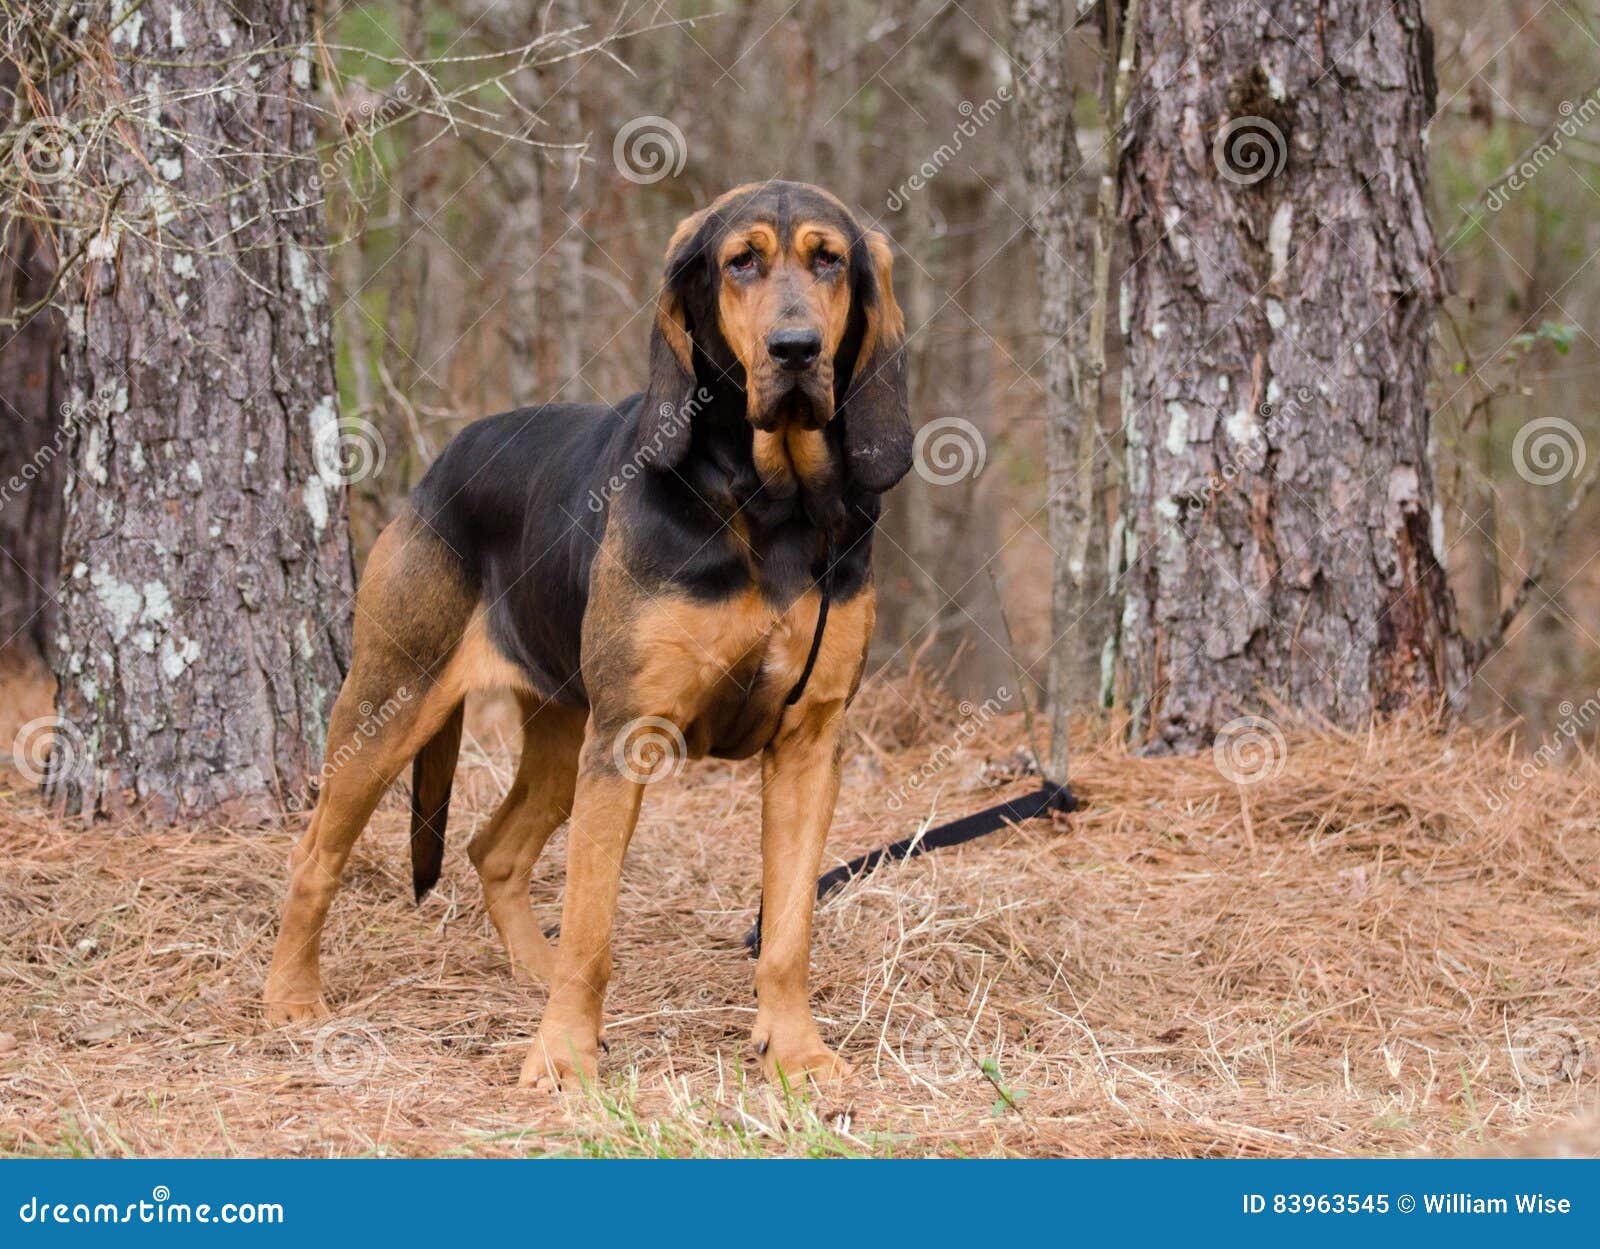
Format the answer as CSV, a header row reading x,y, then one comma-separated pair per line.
x,y
723,671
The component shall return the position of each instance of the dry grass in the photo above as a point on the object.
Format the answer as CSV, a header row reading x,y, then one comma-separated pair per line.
x,y
1353,956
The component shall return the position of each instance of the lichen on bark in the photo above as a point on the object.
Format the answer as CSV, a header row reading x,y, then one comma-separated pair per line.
x,y
204,610
1279,536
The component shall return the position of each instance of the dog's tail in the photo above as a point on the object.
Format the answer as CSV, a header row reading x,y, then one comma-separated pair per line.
x,y
432,773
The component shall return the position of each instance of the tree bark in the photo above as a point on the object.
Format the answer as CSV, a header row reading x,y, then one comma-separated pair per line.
x,y
206,562
32,439
1280,525
562,200
1057,184
31,432
524,248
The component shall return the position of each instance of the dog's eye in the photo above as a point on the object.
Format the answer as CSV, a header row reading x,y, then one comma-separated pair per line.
x,y
825,260
744,262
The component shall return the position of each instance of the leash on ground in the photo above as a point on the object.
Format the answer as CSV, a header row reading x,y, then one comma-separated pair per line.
x,y
1050,797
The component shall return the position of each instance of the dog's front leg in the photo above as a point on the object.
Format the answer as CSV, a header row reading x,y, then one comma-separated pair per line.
x,y
605,809
800,779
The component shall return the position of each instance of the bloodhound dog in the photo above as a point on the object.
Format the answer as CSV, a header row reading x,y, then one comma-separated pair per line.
x,y
685,573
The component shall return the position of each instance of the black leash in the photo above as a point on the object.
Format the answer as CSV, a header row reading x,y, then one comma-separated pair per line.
x,y
1051,797
825,588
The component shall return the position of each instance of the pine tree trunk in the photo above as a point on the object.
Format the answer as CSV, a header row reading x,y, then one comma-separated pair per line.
x,y
206,562
522,229
1280,526
562,200
32,439
524,250
1055,178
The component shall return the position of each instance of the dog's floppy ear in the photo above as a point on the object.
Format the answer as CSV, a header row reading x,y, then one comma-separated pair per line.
x,y
663,437
877,424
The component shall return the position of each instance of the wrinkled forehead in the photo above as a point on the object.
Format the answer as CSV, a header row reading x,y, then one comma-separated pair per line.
x,y
786,208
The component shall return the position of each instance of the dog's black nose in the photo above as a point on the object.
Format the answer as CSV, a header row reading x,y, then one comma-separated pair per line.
x,y
794,349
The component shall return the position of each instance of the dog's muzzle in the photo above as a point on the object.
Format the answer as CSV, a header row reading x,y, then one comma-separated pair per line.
x,y
794,384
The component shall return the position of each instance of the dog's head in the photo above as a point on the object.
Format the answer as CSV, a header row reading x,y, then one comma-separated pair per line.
x,y
776,291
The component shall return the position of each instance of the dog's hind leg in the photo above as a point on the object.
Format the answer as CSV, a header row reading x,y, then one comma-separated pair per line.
x,y
605,810
410,615
505,850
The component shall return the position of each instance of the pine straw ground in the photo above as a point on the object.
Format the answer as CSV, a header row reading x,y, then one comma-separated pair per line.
x,y
1356,955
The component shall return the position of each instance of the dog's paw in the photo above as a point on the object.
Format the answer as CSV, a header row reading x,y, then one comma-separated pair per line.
x,y
558,1062
816,1062
279,1012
